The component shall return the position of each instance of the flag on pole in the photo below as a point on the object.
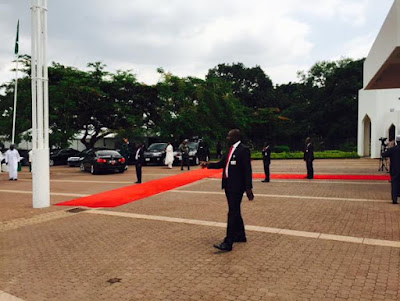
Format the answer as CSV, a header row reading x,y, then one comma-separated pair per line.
x,y
17,39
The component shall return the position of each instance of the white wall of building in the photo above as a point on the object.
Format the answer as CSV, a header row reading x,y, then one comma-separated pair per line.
x,y
386,42
383,108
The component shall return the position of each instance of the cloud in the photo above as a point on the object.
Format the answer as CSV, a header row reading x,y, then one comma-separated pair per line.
x,y
188,38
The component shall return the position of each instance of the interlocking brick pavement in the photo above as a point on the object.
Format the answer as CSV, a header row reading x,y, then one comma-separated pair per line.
x,y
49,254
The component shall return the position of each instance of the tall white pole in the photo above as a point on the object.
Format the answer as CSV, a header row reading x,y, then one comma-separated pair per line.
x,y
15,100
40,116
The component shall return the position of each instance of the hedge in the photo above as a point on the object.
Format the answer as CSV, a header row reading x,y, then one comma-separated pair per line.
x,y
329,154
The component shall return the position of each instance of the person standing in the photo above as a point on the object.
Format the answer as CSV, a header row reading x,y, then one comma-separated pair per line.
x,y
139,161
236,179
394,154
169,155
12,159
126,150
30,153
219,150
309,158
266,154
184,149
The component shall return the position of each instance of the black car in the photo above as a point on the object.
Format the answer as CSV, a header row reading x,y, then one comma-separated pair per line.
x,y
60,156
198,151
155,153
97,161
75,161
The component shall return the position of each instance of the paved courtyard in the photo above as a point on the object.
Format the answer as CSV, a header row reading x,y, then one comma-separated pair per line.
x,y
307,239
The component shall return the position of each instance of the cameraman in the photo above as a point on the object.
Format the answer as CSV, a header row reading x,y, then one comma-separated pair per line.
x,y
394,154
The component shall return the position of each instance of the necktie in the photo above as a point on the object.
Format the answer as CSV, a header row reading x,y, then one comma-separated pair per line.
x,y
227,161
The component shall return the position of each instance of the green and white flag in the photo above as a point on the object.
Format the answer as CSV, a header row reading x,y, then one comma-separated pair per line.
x,y
17,40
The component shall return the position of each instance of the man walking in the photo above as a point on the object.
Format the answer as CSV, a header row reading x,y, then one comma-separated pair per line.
x,y
309,158
139,161
12,159
236,179
394,154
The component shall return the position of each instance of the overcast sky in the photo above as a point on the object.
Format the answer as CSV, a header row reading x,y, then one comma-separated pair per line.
x,y
189,37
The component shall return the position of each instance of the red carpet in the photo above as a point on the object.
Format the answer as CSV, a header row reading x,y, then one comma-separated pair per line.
x,y
124,195
319,177
121,196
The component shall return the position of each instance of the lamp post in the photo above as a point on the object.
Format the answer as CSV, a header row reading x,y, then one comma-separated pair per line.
x,y
40,107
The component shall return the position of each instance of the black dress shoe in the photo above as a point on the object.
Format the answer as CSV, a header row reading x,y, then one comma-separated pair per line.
x,y
224,247
240,239
265,181
137,182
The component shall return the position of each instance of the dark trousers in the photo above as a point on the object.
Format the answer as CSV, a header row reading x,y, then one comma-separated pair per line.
x,y
139,172
395,189
185,161
310,169
266,171
235,227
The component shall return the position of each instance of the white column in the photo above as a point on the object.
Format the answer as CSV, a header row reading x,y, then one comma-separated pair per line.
x,y
40,116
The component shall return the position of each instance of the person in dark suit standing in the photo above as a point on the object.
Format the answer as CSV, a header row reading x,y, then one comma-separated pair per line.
x,y
309,158
219,150
394,154
139,162
236,179
266,154
184,149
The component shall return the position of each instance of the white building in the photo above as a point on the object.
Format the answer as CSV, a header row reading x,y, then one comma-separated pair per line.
x,y
379,100
107,141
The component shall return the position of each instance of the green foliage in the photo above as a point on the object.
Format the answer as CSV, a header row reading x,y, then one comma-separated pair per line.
x,y
281,149
323,105
329,154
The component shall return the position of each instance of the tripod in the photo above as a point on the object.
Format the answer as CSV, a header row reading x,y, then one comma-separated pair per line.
x,y
383,160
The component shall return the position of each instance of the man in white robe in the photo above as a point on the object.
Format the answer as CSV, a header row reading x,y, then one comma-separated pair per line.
x,y
12,159
169,155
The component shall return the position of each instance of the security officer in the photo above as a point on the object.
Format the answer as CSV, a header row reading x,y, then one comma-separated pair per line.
x,y
266,154
394,154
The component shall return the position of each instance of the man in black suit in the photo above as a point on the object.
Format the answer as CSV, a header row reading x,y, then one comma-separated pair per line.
x,y
394,154
236,179
139,162
309,158
266,154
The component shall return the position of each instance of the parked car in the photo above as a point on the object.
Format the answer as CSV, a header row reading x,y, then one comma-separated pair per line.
x,y
198,151
97,161
75,161
155,153
60,156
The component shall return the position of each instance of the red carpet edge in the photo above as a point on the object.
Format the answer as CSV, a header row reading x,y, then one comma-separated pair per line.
x,y
128,194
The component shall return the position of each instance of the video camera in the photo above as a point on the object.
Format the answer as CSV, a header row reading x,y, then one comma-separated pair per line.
x,y
382,139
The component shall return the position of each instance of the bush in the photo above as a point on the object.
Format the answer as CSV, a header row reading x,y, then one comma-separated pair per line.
x,y
281,149
329,154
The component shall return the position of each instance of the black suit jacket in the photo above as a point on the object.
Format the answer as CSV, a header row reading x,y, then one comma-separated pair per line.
x,y
309,153
394,154
239,170
266,154
140,159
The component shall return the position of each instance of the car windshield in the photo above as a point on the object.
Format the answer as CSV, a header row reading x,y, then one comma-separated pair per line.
x,y
107,153
193,145
157,147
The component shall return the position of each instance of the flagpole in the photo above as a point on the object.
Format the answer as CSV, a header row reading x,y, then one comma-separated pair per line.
x,y
16,83
15,100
